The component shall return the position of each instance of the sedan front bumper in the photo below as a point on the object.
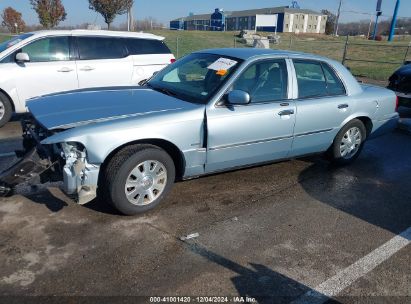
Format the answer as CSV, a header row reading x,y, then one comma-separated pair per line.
x,y
29,167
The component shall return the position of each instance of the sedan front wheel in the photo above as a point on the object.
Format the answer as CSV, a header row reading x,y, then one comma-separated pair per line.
x,y
138,178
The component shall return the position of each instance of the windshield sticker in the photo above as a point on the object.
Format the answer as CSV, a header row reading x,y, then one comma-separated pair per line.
x,y
222,64
221,72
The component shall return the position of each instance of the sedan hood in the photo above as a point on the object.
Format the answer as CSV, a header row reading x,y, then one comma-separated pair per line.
x,y
76,108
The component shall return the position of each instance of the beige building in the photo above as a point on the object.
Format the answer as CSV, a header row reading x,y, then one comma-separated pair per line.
x,y
304,22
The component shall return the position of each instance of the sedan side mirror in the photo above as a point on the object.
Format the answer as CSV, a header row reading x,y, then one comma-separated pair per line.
x,y
238,97
22,57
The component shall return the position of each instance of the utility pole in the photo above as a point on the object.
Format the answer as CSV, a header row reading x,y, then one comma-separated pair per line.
x,y
379,13
369,27
130,19
394,20
338,19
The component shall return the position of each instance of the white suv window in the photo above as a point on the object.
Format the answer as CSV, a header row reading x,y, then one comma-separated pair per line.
x,y
94,48
48,49
137,46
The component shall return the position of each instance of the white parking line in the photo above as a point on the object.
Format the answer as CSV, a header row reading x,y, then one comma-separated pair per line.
x,y
7,154
343,279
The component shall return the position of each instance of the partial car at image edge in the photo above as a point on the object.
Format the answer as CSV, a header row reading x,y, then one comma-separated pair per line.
x,y
400,83
45,62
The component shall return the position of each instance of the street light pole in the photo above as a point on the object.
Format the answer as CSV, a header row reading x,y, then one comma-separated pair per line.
x,y
394,20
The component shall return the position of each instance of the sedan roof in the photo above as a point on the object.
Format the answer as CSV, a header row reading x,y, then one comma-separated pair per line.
x,y
247,53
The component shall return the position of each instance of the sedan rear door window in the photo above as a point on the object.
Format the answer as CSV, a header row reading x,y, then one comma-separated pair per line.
x,y
317,79
311,79
94,48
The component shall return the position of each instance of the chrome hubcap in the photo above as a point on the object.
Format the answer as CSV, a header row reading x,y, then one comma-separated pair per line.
x,y
350,143
146,182
2,110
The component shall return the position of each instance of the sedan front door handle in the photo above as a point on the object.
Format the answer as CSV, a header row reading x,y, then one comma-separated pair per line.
x,y
286,112
343,106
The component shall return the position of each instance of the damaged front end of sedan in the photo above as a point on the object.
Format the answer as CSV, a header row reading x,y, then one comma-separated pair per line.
x,y
41,163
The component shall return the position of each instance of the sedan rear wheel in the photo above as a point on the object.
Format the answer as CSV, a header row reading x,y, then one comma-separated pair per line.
x,y
348,143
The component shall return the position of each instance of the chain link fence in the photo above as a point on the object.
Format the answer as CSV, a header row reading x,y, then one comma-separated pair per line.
x,y
370,59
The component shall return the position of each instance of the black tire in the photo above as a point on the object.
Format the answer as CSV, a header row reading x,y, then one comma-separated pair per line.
x,y
118,170
334,152
8,109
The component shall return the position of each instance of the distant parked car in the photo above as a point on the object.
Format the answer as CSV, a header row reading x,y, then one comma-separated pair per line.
x,y
211,111
400,82
45,62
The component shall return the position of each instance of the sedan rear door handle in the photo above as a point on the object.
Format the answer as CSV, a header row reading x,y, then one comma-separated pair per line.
x,y
286,112
87,68
65,70
343,106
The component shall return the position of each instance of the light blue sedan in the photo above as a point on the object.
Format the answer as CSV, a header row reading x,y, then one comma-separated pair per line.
x,y
211,111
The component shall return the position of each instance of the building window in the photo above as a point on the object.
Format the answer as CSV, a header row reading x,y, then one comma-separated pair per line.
x,y
286,25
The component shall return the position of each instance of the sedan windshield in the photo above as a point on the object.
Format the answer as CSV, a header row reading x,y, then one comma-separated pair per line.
x,y
13,41
196,77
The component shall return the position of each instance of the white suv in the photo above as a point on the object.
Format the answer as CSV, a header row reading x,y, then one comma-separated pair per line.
x,y
45,62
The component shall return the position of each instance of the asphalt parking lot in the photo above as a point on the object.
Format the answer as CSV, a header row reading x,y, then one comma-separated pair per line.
x,y
298,231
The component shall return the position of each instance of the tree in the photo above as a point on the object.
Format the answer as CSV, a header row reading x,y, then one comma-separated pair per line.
x,y
12,20
331,19
50,12
109,9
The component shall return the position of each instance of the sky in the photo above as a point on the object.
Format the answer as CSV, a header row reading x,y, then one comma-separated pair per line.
x,y
166,10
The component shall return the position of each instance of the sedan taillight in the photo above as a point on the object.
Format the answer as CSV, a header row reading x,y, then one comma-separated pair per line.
x,y
172,60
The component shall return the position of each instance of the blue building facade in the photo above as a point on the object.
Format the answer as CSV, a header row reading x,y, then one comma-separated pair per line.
x,y
217,20
272,19
177,24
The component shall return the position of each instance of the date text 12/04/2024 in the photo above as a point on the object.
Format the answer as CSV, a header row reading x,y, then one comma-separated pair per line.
x,y
203,299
